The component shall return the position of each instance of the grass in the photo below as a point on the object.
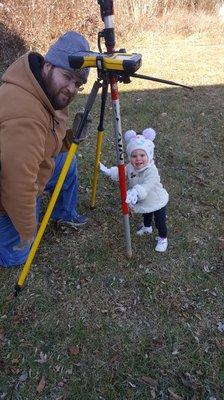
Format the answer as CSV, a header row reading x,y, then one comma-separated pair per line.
x,y
91,323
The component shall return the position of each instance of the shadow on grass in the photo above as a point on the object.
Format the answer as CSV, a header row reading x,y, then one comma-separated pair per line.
x,y
11,46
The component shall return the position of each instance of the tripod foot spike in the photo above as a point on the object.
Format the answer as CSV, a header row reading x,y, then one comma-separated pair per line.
x,y
129,254
17,290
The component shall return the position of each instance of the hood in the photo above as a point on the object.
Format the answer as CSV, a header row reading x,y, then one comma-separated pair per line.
x,y
19,73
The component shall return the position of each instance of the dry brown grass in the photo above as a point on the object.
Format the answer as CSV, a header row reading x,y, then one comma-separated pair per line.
x,y
34,24
182,22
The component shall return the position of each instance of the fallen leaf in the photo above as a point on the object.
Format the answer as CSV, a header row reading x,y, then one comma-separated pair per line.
x,y
150,381
220,343
220,326
206,156
73,350
42,358
41,384
18,319
221,242
158,343
2,330
153,393
114,358
132,385
200,179
14,370
62,383
26,344
206,266
189,381
84,280
92,268
69,371
120,309
15,361
23,377
2,338
173,395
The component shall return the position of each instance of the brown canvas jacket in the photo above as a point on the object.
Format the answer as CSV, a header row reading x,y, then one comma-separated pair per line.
x,y
31,134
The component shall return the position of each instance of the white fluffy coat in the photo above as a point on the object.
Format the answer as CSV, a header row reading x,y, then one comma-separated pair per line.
x,y
151,194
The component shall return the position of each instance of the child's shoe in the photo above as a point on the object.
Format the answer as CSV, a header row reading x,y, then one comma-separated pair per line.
x,y
162,244
144,230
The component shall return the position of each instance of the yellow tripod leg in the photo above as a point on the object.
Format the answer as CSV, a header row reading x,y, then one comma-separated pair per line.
x,y
46,217
96,167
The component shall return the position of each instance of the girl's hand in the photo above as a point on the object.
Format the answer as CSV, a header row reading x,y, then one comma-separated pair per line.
x,y
132,197
105,170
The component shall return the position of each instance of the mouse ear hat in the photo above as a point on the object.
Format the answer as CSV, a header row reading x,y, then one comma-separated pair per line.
x,y
143,141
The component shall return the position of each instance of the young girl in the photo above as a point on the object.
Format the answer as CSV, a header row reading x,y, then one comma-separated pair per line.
x,y
146,194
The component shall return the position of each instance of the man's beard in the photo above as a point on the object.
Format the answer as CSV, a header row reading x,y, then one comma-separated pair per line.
x,y
53,93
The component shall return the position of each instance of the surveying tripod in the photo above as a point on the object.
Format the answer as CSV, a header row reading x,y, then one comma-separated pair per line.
x,y
112,67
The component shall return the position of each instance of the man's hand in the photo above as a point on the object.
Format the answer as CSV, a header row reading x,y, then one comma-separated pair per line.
x,y
71,133
76,122
132,197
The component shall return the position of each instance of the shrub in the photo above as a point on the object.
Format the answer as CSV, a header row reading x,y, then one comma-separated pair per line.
x,y
35,24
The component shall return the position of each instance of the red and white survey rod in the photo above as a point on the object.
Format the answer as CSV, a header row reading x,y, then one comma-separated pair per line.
x,y
106,8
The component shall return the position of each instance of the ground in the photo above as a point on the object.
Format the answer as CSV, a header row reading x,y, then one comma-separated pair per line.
x,y
91,323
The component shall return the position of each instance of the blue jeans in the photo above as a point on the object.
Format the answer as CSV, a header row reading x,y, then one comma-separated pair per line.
x,y
65,208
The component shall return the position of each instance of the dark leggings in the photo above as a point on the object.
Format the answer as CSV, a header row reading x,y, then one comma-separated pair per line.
x,y
160,221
